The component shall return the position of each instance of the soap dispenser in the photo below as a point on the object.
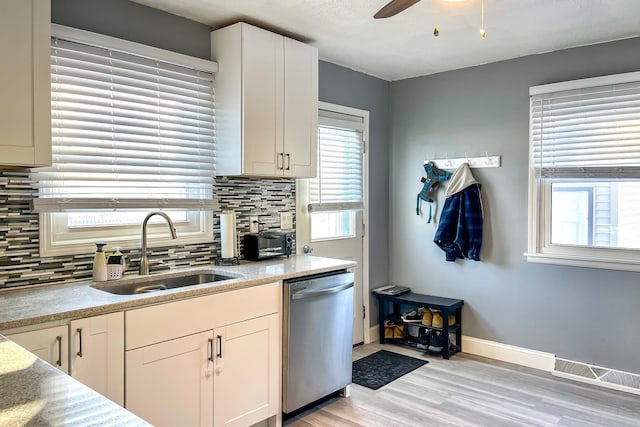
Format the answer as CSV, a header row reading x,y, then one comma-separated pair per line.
x,y
100,263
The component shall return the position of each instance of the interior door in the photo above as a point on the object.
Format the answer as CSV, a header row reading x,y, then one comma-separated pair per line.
x,y
338,230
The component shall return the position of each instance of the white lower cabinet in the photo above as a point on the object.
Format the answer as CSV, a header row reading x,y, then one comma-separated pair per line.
x,y
97,354
171,383
246,372
226,375
49,344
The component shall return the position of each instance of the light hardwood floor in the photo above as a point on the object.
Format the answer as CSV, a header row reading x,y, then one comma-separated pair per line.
x,y
473,391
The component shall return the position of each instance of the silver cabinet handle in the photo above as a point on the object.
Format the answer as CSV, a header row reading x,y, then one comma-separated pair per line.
x,y
219,355
280,161
210,350
59,361
79,331
288,162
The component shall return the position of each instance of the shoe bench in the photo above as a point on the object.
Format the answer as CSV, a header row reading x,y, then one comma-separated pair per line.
x,y
395,305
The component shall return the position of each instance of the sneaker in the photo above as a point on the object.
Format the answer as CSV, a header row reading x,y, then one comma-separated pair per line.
x,y
412,317
437,342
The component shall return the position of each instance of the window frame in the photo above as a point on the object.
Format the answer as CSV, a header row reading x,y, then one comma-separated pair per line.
x,y
540,249
55,236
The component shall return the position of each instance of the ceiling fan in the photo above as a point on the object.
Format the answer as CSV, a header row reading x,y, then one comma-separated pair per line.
x,y
396,6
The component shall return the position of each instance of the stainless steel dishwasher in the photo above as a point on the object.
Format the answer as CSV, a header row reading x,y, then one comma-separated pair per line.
x,y
317,337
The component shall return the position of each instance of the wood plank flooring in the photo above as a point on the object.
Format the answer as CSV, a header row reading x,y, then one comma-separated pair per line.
x,y
473,391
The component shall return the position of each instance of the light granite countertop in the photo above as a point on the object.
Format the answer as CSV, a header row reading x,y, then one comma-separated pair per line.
x,y
32,392
34,305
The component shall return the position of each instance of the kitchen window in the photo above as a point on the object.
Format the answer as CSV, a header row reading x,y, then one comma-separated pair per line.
x,y
132,132
584,204
336,193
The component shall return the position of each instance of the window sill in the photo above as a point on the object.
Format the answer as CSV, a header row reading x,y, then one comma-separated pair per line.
x,y
588,262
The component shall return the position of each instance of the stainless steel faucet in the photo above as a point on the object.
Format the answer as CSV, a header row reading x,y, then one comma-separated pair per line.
x,y
144,262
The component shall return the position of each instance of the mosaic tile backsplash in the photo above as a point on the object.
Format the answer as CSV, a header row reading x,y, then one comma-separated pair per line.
x,y
21,264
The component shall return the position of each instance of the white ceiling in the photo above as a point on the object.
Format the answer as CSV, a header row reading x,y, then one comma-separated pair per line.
x,y
404,46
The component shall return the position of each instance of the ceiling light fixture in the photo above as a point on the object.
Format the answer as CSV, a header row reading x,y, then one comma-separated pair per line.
x,y
396,6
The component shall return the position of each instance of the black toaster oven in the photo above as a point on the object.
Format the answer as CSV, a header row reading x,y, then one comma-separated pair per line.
x,y
267,244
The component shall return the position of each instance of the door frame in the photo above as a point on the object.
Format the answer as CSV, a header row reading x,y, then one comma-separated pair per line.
x,y
300,208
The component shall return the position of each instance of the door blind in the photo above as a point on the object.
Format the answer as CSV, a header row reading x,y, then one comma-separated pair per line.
x,y
127,132
592,132
338,185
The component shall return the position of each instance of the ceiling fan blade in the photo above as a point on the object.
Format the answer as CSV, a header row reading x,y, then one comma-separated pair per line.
x,y
394,7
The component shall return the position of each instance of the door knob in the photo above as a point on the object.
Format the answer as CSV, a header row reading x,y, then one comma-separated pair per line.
x,y
307,249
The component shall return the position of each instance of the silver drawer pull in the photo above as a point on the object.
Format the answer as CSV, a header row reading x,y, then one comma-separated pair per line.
x,y
79,331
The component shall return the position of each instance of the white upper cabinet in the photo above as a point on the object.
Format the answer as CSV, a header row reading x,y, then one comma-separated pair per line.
x,y
266,103
25,101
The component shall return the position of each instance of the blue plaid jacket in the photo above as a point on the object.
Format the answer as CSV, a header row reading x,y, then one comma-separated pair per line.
x,y
460,230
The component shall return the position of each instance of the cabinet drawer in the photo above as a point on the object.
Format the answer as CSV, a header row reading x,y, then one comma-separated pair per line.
x,y
163,322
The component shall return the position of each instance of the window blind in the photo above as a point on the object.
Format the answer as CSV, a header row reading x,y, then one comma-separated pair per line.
x,y
590,132
128,131
338,185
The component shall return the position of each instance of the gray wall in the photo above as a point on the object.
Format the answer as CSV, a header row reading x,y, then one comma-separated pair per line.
x,y
134,22
342,86
588,315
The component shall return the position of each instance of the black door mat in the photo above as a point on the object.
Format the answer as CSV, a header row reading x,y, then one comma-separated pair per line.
x,y
382,367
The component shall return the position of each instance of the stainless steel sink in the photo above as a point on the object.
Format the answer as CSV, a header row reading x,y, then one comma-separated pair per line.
x,y
155,284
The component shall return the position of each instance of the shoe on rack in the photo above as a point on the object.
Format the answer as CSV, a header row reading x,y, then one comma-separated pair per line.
x,y
422,342
437,342
412,317
427,316
389,326
438,321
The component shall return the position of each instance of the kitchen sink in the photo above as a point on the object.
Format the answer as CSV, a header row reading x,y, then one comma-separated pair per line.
x,y
155,284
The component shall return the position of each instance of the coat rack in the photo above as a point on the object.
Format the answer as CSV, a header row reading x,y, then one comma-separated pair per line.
x,y
474,162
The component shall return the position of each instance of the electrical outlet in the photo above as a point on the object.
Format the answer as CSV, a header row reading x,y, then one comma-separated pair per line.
x,y
254,225
286,220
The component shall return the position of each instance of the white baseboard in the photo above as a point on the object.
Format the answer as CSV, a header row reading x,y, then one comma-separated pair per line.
x,y
495,350
508,353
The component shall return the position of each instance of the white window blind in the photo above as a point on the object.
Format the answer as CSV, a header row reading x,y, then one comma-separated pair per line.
x,y
338,185
128,131
591,132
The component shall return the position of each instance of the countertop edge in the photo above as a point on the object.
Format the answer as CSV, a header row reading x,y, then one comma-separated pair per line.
x,y
177,294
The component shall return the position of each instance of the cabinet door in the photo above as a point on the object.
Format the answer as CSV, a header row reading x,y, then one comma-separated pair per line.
x,y
97,354
262,92
25,109
171,383
247,372
50,345
300,109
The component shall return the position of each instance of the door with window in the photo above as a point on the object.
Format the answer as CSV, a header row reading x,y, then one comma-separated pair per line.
x,y
331,208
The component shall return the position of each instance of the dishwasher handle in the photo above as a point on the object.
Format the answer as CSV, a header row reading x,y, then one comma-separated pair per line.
x,y
318,292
